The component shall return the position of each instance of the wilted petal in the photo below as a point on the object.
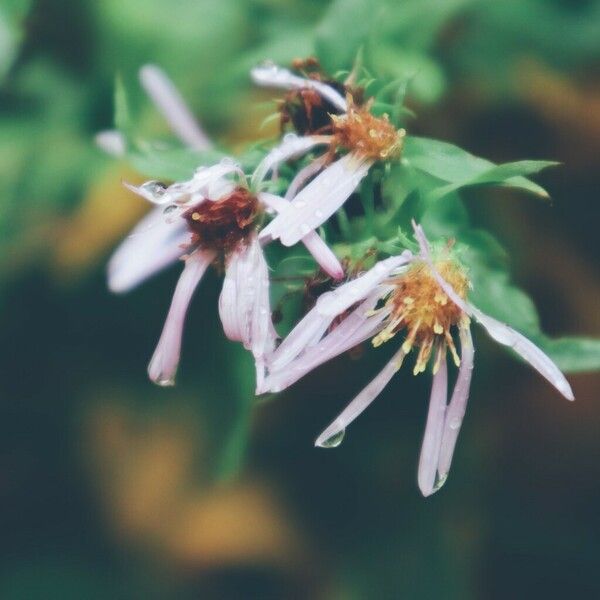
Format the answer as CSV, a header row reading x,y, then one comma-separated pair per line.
x,y
362,401
499,331
173,107
315,203
458,404
292,146
432,439
336,302
270,75
152,245
164,362
320,251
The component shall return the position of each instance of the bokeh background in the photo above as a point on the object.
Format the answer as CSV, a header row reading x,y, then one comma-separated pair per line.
x,y
113,488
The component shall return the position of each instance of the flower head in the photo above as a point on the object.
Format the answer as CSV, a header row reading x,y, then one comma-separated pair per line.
x,y
424,296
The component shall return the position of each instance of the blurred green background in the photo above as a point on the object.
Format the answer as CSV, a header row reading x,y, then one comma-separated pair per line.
x,y
113,488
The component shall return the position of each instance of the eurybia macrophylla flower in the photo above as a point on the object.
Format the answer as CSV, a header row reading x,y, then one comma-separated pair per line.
x,y
213,218
356,140
423,299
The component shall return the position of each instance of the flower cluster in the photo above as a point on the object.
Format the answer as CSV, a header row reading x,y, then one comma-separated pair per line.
x,y
224,217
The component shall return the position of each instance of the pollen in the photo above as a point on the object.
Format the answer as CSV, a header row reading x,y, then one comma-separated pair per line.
x,y
221,224
360,131
421,309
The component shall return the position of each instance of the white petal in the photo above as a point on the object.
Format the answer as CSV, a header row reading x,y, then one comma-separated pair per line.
x,y
499,331
304,175
111,141
336,302
315,203
151,246
270,75
432,439
173,107
164,362
362,401
357,327
458,404
321,252
292,146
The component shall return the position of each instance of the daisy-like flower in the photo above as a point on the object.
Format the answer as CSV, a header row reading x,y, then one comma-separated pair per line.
x,y
211,219
424,298
351,128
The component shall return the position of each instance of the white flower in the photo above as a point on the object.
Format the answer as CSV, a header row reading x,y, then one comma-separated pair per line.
x,y
425,296
366,139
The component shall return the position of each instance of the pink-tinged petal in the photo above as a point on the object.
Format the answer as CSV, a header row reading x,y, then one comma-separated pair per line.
x,y
111,141
292,146
432,439
357,327
270,75
228,303
458,404
360,403
164,362
315,203
320,251
173,107
499,331
152,245
341,299
304,174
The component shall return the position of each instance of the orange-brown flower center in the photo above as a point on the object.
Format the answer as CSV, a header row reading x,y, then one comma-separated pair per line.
x,y
373,137
422,308
221,224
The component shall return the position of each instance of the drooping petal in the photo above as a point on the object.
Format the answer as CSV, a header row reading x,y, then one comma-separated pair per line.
x,y
457,405
432,439
499,331
270,75
153,244
292,146
342,298
361,402
164,362
304,175
173,107
321,252
357,327
316,202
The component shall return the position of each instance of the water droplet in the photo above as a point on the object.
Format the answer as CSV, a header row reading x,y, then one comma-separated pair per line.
x,y
290,137
304,228
166,382
171,208
318,214
154,188
263,311
227,161
455,423
334,441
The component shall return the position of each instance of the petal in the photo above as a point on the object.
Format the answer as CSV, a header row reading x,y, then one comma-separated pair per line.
x,y
152,245
304,175
458,404
164,362
318,200
320,251
432,439
173,107
361,402
270,75
292,146
499,331
341,299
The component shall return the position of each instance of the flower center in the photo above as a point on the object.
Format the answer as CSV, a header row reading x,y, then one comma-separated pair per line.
x,y
372,137
221,224
422,308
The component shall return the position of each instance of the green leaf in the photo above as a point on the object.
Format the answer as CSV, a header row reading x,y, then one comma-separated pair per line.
x,y
452,164
572,354
12,17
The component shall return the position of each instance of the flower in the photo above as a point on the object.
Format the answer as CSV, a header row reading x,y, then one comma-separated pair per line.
x,y
212,218
351,128
423,296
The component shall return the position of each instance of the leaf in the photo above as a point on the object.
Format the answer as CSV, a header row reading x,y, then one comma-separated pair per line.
x,y
12,16
450,163
572,354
